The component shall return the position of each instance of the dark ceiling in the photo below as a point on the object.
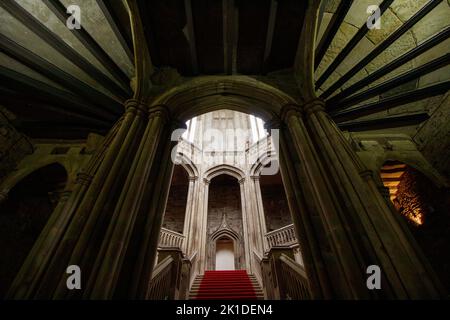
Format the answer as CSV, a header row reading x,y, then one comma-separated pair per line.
x,y
223,37
65,84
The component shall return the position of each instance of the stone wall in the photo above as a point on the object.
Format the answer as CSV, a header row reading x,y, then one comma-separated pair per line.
x,y
224,198
14,146
417,197
176,208
276,209
433,138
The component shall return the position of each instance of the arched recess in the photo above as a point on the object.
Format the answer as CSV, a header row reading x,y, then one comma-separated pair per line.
x,y
22,173
414,160
206,245
224,169
424,207
24,214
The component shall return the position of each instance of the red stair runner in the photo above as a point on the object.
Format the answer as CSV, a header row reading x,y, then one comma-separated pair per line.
x,y
229,284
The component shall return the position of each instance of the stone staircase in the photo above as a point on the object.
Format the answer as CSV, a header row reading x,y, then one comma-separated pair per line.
x,y
229,284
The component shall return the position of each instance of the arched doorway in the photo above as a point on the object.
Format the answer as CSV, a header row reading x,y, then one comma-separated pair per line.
x,y
426,210
224,254
225,224
23,216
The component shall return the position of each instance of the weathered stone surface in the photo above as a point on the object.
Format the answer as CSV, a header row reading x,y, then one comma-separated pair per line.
x,y
399,47
358,14
389,23
433,137
439,75
14,146
406,9
98,27
433,22
343,36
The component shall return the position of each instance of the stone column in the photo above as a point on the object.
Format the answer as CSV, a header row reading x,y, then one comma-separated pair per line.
x,y
203,230
247,224
129,210
259,211
299,172
365,218
87,246
38,264
189,222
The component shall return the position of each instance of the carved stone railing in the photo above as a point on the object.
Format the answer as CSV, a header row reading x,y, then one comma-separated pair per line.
x,y
172,276
170,239
283,237
161,284
293,280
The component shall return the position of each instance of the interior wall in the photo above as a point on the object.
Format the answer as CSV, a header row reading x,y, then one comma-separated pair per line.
x,y
23,216
276,209
176,201
419,200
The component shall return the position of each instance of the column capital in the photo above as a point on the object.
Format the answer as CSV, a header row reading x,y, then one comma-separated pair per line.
x,y
313,106
159,110
135,106
193,178
255,178
288,110
242,180
206,181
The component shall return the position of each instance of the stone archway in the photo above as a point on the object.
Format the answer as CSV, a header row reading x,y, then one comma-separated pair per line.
x,y
342,222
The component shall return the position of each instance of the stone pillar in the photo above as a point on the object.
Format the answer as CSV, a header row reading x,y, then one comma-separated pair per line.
x,y
88,244
132,211
299,171
368,232
37,265
203,230
259,212
189,216
247,224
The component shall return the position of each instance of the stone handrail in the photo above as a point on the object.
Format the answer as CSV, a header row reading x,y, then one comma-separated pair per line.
x,y
294,281
170,239
161,282
283,237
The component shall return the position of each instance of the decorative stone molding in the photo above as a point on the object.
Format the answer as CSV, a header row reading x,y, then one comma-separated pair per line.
x,y
314,106
135,106
289,110
159,111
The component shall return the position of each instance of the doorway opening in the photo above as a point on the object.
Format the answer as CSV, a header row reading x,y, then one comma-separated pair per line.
x,y
224,254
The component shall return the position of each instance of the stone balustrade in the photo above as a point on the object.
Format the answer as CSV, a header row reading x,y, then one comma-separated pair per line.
x,y
170,239
283,237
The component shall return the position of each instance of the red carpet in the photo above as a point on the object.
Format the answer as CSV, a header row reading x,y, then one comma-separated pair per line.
x,y
218,285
